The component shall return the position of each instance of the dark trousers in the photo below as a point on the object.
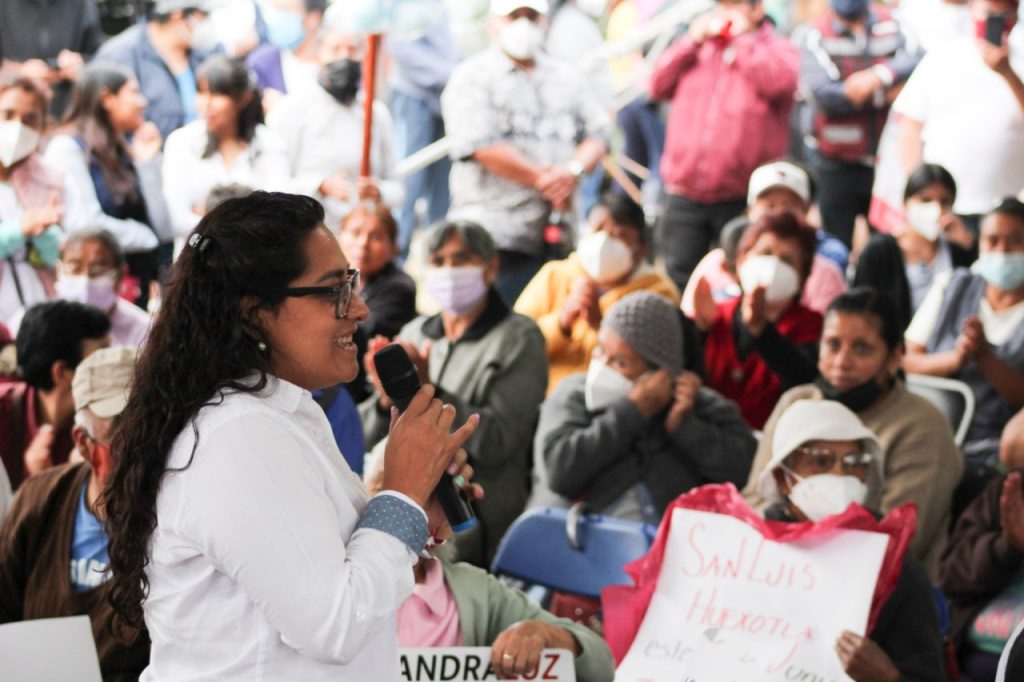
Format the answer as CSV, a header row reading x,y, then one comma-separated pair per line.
x,y
688,229
643,135
844,192
515,270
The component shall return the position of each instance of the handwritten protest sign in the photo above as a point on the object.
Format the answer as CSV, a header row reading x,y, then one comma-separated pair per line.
x,y
457,664
732,606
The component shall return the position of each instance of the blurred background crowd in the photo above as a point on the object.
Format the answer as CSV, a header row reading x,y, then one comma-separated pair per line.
x,y
665,223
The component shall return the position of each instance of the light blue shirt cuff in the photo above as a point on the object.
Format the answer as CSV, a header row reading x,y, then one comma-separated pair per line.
x,y
393,513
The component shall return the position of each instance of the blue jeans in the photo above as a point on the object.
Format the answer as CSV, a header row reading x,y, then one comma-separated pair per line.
x,y
416,126
643,134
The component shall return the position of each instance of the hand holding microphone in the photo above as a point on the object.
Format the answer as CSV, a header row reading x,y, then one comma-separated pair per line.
x,y
420,448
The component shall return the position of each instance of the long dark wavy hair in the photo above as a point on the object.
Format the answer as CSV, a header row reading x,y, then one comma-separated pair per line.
x,y
204,341
222,75
87,117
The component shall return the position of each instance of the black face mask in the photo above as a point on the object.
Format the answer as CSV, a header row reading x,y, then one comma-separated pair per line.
x,y
341,79
857,398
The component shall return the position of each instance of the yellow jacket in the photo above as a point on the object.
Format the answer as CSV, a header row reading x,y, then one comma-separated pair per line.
x,y
546,294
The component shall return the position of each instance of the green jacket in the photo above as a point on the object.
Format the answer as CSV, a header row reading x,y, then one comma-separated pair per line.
x,y
487,607
498,369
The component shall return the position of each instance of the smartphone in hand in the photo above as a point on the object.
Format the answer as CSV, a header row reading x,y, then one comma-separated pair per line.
x,y
995,29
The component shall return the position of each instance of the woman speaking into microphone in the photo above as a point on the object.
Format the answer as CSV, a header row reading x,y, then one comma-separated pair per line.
x,y
236,528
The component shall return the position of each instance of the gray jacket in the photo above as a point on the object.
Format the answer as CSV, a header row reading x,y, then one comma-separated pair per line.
x,y
599,456
499,370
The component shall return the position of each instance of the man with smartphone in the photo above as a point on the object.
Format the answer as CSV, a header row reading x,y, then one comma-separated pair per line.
x,y
963,108
730,80
48,42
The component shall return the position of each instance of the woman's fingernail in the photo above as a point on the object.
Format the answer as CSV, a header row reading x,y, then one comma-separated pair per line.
x,y
459,480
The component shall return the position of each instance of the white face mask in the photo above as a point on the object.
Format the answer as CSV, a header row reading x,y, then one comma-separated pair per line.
x,y
97,291
521,39
205,37
605,258
456,290
780,280
603,386
17,141
824,495
923,218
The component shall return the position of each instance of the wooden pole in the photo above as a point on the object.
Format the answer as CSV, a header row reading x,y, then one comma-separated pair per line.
x,y
370,88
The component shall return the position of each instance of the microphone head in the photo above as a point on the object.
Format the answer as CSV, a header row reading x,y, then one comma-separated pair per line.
x,y
397,374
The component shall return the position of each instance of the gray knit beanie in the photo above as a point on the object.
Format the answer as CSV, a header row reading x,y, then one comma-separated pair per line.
x,y
651,326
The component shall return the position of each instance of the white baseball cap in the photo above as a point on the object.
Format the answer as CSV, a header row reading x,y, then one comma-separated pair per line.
x,y
505,7
808,420
779,174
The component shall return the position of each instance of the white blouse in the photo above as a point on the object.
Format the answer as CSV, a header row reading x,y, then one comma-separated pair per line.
x,y
257,569
188,177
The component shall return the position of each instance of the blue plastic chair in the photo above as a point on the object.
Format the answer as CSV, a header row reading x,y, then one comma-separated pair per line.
x,y
568,551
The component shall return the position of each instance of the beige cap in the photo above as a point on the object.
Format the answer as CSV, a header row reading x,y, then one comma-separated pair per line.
x,y
779,174
102,381
808,420
503,8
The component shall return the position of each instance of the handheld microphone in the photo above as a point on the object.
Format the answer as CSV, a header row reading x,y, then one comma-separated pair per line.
x,y
399,379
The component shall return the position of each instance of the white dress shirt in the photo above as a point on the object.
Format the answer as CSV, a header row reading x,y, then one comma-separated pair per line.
x,y
325,137
257,568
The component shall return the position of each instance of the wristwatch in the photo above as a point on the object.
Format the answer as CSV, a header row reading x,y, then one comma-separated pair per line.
x,y
576,168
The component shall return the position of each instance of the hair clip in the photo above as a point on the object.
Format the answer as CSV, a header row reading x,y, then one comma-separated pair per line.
x,y
198,242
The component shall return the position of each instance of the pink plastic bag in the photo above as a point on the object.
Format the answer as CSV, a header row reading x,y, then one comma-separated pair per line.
x,y
624,606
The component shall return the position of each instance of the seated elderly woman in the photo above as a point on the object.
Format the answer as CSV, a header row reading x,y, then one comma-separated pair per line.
x,y
457,604
825,459
764,342
859,364
971,327
481,358
91,269
982,567
369,237
635,430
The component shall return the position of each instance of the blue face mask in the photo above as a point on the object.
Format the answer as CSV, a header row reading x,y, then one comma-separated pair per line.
x,y
849,9
1002,270
284,29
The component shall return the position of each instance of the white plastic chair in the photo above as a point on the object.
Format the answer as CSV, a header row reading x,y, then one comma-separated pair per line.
x,y
953,398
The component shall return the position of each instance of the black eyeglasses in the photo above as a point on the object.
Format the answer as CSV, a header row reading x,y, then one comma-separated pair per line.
x,y
341,293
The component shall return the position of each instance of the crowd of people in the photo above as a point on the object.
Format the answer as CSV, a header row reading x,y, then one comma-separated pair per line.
x,y
639,267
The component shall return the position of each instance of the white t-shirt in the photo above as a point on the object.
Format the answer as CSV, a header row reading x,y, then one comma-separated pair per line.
x,y
999,325
973,125
932,23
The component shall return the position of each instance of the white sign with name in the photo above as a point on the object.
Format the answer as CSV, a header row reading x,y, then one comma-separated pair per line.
x,y
51,649
732,606
457,664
